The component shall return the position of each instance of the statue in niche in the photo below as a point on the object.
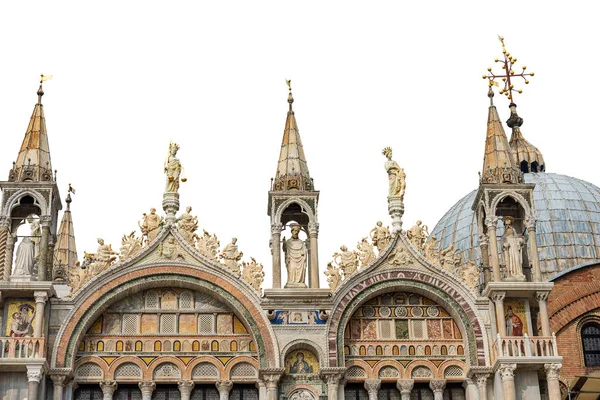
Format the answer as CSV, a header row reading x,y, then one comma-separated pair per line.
x,y
417,235
365,252
130,246
36,233
208,245
253,273
381,236
169,249
512,244
173,169
151,223
396,176
231,256
25,260
295,258
347,260
103,258
187,225
334,278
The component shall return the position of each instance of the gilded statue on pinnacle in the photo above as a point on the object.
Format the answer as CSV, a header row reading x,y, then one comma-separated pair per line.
x,y
173,169
396,176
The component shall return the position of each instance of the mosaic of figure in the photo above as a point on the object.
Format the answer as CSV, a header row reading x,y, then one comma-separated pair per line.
x,y
231,256
417,235
381,236
396,176
172,169
512,244
25,261
514,324
20,319
301,362
149,226
366,254
188,225
347,260
295,258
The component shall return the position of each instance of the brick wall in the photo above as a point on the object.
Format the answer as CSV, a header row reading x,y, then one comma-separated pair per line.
x,y
576,296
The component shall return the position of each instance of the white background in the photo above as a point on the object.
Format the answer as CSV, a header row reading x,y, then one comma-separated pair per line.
x,y
131,75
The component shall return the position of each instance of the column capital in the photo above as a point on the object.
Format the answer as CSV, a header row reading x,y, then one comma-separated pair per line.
x,y
530,223
4,222
276,228
224,386
185,387
437,385
45,221
405,385
40,297
491,222
541,296
481,379
372,385
497,296
147,387
507,371
34,373
108,387
313,229
552,370
60,380
271,376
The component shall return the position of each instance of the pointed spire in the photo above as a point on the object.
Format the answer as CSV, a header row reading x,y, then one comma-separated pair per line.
x,y
65,252
292,169
33,162
498,162
527,157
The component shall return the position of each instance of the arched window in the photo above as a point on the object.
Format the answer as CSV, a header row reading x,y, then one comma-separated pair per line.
x,y
590,337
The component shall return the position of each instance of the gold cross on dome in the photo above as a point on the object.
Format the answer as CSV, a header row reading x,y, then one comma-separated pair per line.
x,y
508,74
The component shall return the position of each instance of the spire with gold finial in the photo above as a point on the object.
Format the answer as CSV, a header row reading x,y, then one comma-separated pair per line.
x,y
65,252
33,162
292,169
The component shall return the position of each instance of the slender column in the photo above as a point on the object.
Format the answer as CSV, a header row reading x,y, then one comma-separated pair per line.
x,y
498,298
333,385
271,378
372,386
485,258
552,372
405,386
40,305
495,261
262,389
147,387
471,392
69,392
43,256
4,223
276,252
542,297
60,381
34,377
8,260
185,389
224,387
313,234
535,260
108,389
438,386
481,380
341,393
507,373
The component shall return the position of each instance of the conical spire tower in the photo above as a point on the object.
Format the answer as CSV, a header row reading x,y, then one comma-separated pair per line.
x,y
33,162
65,251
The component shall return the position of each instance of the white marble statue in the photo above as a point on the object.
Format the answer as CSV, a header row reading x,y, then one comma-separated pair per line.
x,y
334,278
36,233
417,235
25,260
396,176
512,244
380,235
103,258
172,169
295,258
231,256
365,252
187,225
347,260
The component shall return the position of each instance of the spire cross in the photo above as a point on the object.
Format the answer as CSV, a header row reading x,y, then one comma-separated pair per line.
x,y
290,97
508,73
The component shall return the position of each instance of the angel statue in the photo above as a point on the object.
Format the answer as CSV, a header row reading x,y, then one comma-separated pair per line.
x,y
396,176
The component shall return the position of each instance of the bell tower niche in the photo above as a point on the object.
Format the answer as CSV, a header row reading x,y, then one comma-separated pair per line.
x,y
29,197
293,203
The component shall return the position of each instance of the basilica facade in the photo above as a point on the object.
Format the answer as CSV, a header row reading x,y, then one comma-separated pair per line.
x,y
457,314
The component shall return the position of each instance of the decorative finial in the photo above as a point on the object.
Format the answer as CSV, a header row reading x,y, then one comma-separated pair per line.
x,y
40,92
68,199
491,96
507,65
290,97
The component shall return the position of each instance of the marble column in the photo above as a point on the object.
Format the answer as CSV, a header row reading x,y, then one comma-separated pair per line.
x,y
498,299
4,225
60,381
313,235
34,377
333,385
42,266
185,389
108,389
372,386
69,392
542,297
224,387
271,379
276,253
552,372
471,392
437,386
493,250
8,260
262,389
405,386
147,387
485,258
40,304
481,380
507,373
535,260
341,388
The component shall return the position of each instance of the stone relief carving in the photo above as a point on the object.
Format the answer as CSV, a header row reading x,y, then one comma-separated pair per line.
x,y
334,278
252,272
302,394
187,226
399,257
130,246
231,256
150,225
170,249
208,245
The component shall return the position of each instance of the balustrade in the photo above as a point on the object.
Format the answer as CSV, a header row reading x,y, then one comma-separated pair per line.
x,y
524,346
22,347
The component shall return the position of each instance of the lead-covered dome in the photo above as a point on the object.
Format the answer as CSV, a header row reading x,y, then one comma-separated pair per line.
x,y
568,223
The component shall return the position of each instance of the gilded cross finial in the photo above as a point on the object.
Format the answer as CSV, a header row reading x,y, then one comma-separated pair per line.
x,y
290,97
508,63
